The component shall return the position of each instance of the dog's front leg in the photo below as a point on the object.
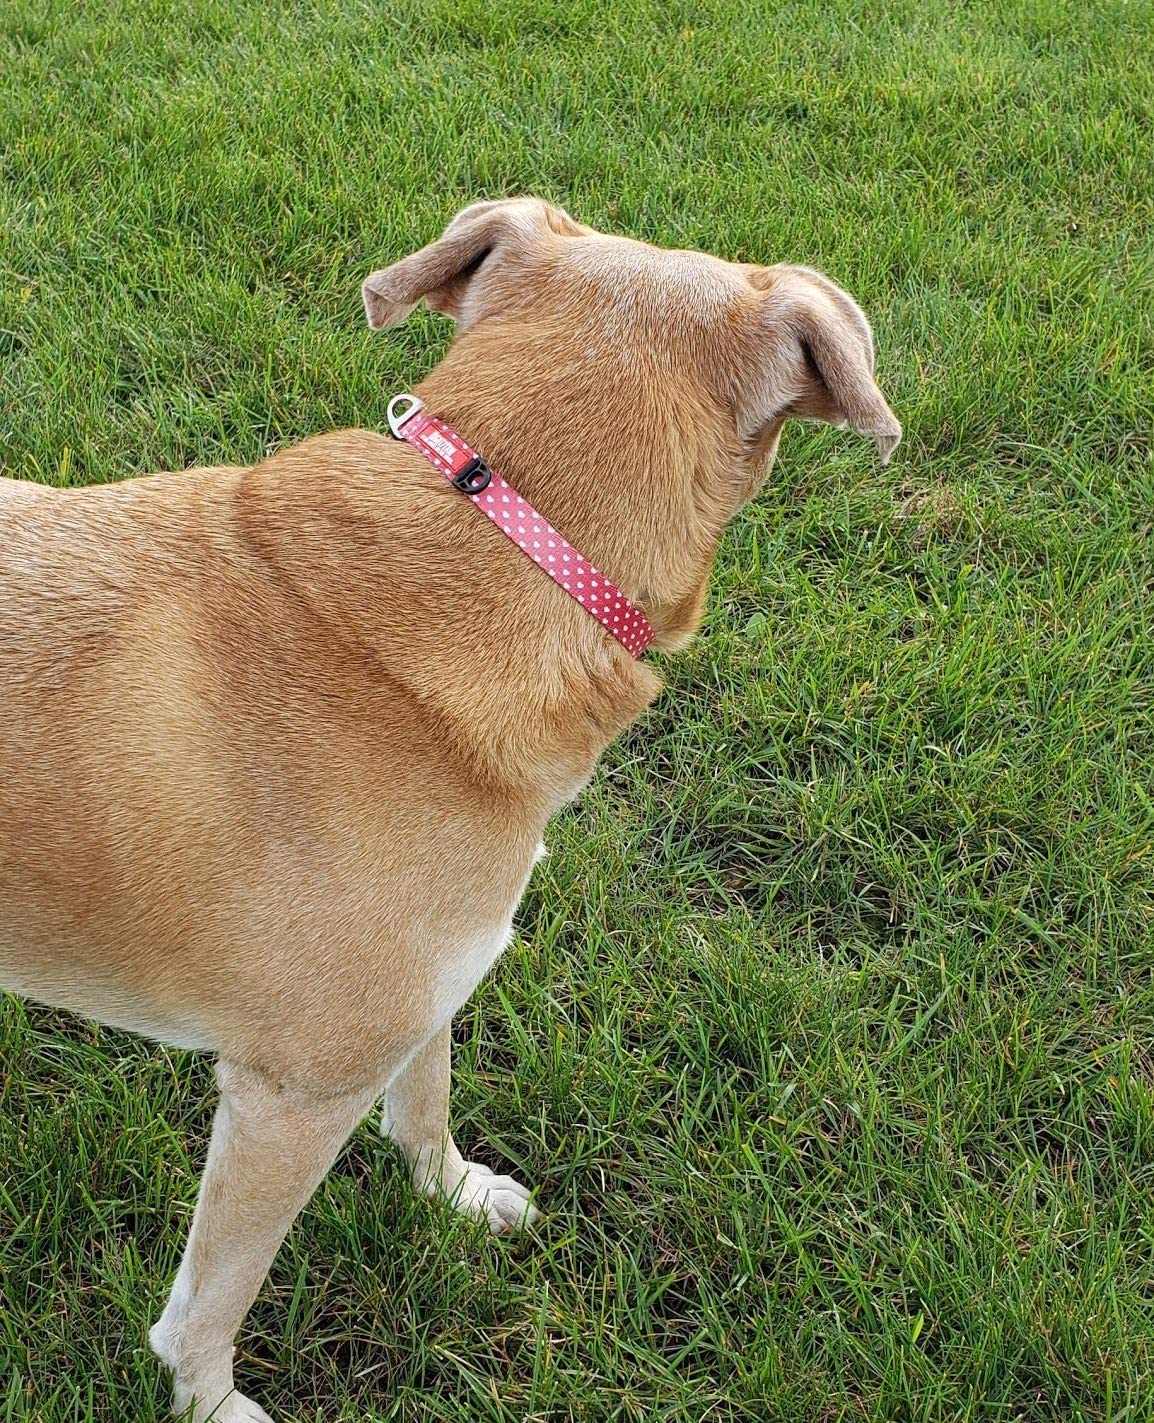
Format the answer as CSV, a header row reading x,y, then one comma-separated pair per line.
x,y
270,1149
416,1116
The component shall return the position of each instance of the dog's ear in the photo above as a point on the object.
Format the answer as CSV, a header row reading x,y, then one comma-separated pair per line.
x,y
439,272
445,272
811,356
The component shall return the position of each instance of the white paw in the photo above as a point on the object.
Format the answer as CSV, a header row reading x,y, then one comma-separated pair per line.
x,y
238,1409
502,1201
234,1408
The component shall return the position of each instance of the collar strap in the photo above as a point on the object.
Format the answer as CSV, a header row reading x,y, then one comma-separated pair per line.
x,y
520,522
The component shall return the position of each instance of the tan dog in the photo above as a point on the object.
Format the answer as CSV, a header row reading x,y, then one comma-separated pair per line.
x,y
278,745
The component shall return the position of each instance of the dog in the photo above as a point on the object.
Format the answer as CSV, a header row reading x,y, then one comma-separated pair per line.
x,y
278,745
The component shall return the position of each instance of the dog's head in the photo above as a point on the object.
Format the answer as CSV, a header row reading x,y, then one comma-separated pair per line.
x,y
764,343
636,393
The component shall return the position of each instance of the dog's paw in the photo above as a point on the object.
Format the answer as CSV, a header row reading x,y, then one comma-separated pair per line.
x,y
502,1201
234,1408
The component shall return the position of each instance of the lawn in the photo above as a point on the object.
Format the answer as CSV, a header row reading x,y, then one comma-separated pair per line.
x,y
828,1034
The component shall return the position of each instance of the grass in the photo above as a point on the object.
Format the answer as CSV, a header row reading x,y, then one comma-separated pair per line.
x,y
828,1036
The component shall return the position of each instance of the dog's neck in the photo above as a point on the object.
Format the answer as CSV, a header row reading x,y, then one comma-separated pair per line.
x,y
528,687
639,482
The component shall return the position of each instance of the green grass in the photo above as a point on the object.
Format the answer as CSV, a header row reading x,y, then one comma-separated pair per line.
x,y
829,1031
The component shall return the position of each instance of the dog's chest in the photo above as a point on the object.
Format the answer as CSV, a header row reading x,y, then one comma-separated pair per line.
x,y
455,980
473,956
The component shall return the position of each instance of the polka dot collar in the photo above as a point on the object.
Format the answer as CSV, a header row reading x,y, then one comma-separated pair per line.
x,y
519,521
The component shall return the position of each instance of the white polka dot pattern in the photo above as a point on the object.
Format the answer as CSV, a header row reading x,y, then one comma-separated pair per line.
x,y
533,534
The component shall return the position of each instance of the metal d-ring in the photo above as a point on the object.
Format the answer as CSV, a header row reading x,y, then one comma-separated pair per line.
x,y
413,404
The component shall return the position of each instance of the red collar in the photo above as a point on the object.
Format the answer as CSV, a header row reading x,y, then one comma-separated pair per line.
x,y
519,521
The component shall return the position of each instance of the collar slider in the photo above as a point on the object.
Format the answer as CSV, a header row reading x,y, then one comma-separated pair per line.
x,y
474,478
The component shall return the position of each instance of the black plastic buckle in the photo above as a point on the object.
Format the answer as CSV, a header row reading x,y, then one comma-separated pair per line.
x,y
474,478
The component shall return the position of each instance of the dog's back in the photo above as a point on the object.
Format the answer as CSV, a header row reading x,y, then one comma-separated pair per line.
x,y
82,575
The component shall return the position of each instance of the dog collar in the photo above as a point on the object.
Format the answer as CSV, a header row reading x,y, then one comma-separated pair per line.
x,y
519,521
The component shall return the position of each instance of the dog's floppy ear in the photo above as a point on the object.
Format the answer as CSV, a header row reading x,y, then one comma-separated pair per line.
x,y
814,359
445,271
438,272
